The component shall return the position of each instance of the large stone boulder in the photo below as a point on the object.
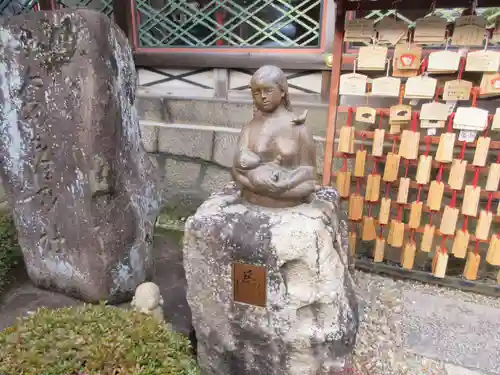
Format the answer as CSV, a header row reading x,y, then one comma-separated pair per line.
x,y
307,320
71,158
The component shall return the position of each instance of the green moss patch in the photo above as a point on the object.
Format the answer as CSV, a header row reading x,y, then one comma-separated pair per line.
x,y
92,339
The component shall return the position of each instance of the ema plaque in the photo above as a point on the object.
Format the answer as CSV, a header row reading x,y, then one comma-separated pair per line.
x,y
249,284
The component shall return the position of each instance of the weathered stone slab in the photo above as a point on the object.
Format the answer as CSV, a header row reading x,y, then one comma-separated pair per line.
x,y
453,331
70,154
309,323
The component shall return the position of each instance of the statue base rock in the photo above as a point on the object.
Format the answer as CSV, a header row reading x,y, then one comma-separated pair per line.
x,y
310,320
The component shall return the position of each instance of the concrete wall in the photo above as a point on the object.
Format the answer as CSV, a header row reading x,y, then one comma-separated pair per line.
x,y
194,160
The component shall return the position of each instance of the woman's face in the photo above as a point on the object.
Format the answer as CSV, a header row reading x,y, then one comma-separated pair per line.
x,y
267,98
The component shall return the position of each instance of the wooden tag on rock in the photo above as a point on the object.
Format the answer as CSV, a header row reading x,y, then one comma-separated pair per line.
x,y
391,167
460,244
435,196
471,200
457,174
385,211
356,203
396,233
449,220
378,254
472,266
343,183
483,225
493,255
404,187
481,153
493,177
408,255
408,148
346,140
415,215
378,142
424,169
372,188
369,229
446,145
427,238
439,263
359,165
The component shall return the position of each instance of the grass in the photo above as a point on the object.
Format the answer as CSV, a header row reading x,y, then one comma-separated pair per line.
x,y
10,252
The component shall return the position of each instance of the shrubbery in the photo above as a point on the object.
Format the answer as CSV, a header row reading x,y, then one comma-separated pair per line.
x,y
10,252
93,340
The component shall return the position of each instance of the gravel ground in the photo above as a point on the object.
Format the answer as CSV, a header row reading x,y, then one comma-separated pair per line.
x,y
380,347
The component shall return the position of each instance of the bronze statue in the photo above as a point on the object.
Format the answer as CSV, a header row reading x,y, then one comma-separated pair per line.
x,y
276,159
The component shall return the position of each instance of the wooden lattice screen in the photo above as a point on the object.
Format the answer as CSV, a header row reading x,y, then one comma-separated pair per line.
x,y
422,203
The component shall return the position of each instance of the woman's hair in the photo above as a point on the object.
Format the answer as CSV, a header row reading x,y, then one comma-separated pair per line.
x,y
271,74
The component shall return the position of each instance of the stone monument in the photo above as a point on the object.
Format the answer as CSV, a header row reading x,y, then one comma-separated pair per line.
x,y
269,274
71,158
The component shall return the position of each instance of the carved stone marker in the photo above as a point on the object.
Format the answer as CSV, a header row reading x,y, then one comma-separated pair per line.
x,y
70,154
267,265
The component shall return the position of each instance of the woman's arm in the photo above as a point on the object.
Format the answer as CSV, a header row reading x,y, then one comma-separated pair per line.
x,y
237,173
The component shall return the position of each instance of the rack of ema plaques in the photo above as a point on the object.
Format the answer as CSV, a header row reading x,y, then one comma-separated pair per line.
x,y
420,177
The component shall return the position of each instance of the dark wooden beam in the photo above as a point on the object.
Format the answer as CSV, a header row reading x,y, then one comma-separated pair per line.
x,y
426,277
122,15
412,4
212,58
46,4
333,96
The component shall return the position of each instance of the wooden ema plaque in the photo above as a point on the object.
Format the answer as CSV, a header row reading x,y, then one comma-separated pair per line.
x,y
249,284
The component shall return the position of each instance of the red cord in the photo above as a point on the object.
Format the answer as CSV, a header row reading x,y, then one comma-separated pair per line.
x,y
490,201
349,116
453,202
440,173
450,122
465,225
462,67
344,165
419,191
462,151
443,244
476,177
427,145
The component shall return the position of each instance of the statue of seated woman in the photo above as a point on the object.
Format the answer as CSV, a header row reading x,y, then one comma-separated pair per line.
x,y
275,164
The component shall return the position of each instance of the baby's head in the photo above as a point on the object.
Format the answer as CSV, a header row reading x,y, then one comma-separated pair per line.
x,y
248,159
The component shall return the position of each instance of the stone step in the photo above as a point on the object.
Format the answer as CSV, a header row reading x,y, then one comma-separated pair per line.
x,y
216,112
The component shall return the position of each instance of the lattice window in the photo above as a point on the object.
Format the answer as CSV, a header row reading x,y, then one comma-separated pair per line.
x,y
15,7
240,23
103,6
